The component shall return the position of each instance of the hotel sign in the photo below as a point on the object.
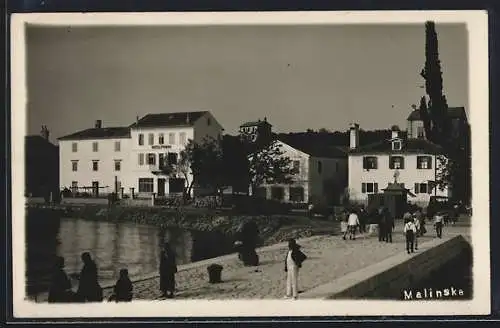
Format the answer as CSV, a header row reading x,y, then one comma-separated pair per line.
x,y
161,147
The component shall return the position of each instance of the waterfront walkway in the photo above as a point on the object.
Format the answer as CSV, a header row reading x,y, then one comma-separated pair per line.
x,y
329,257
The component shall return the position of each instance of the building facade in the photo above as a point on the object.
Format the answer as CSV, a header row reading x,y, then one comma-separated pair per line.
x,y
94,161
411,161
132,160
320,175
157,141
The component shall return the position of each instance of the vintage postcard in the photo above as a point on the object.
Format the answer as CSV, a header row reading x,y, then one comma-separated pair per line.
x,y
250,164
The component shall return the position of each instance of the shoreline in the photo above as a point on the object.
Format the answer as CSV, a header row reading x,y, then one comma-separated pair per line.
x,y
273,228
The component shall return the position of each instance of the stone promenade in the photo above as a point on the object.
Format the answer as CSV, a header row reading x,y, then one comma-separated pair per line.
x,y
329,257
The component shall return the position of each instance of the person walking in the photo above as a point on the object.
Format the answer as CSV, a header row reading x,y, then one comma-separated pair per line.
x,y
60,284
382,235
352,224
89,289
168,269
438,224
416,222
409,230
293,262
389,225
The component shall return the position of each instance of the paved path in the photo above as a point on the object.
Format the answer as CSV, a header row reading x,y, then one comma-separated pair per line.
x,y
329,257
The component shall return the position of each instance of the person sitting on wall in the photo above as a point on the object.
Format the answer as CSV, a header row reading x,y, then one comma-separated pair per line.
x,y
122,292
60,284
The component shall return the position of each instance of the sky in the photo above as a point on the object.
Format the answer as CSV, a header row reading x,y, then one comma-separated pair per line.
x,y
298,77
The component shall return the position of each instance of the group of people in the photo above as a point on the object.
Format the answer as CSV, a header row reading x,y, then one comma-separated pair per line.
x,y
414,225
89,289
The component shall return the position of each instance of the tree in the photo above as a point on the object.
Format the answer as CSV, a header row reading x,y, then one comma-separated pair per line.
x,y
435,115
200,161
454,168
269,165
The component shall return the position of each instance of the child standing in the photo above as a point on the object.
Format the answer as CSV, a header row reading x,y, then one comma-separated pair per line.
x,y
293,262
409,231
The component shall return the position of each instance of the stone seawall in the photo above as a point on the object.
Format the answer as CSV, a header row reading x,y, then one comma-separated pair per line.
x,y
395,274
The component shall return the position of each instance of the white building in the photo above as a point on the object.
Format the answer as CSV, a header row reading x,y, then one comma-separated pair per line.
x,y
412,160
320,175
159,137
104,160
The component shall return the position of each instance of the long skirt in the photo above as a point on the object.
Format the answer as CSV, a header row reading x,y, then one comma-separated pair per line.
x,y
167,282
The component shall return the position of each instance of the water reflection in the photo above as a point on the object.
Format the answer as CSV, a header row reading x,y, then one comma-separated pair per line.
x,y
113,246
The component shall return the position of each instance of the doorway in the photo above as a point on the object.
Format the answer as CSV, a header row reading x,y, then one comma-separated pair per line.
x,y
161,187
95,189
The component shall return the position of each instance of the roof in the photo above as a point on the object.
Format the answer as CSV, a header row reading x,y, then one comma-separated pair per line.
x,y
414,146
254,123
324,151
453,112
99,133
37,141
168,119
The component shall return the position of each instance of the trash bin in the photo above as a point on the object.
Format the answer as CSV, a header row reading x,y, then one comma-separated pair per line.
x,y
214,273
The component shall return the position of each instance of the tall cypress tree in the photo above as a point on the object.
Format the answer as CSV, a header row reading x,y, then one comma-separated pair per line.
x,y
435,116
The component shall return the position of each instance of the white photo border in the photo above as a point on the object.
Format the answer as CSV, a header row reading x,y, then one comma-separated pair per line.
x,y
477,27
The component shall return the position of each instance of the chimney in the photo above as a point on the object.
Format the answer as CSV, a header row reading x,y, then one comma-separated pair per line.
x,y
98,124
44,132
353,135
394,131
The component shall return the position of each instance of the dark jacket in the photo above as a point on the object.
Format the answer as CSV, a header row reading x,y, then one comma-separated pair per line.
x,y
89,288
297,256
59,286
168,268
123,290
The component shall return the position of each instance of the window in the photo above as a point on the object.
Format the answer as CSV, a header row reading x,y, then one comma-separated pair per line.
x,y
396,162
141,159
296,167
95,165
396,145
424,162
182,138
370,163
141,139
172,158
320,167
422,188
369,188
151,139
118,165
74,187
161,138
277,193
117,146
95,146
171,138
420,132
151,159
296,194
145,184
74,166
74,147
161,161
